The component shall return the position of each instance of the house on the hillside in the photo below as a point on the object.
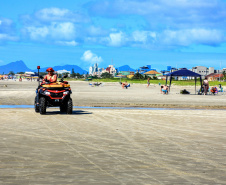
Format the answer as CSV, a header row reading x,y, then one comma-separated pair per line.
x,y
214,77
152,73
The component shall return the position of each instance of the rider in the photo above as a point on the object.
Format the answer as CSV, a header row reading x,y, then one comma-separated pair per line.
x,y
50,76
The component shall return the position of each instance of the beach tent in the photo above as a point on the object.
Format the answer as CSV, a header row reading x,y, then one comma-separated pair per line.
x,y
184,72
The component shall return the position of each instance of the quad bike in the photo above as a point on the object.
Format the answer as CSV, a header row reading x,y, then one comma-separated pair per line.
x,y
53,95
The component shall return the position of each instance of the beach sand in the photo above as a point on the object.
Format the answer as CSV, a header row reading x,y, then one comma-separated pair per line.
x,y
113,146
111,94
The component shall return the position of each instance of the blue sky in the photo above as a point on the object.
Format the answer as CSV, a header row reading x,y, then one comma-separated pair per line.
x,y
180,33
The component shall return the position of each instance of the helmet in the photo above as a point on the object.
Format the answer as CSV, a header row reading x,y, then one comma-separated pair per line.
x,y
50,69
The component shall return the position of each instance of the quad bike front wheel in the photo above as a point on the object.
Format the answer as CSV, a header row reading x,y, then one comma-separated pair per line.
x,y
69,106
63,108
42,105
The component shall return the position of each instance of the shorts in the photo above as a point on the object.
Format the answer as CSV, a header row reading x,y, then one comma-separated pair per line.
x,y
163,90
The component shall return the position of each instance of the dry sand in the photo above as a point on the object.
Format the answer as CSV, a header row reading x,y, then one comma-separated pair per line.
x,y
111,94
113,146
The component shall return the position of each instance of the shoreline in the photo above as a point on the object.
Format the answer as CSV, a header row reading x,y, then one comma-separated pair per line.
x,y
132,106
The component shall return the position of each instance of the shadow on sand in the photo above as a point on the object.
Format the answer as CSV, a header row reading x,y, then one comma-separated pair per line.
x,y
77,112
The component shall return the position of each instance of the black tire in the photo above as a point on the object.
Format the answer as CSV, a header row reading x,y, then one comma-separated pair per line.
x,y
42,105
36,107
69,106
63,108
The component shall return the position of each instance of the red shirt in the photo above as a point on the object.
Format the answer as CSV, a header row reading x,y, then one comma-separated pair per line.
x,y
52,79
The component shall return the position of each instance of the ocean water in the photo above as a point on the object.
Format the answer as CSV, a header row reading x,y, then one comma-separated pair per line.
x,y
87,107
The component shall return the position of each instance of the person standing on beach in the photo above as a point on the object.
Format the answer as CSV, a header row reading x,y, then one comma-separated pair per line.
x,y
50,76
205,86
148,82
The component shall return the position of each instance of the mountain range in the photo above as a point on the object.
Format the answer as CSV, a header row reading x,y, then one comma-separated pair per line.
x,y
125,68
20,66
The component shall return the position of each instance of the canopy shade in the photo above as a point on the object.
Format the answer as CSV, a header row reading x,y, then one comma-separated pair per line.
x,y
184,72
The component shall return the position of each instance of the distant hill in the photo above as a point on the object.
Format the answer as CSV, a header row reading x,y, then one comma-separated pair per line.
x,y
125,68
18,66
76,68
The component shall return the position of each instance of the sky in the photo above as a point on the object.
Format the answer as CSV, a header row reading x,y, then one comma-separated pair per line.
x,y
160,33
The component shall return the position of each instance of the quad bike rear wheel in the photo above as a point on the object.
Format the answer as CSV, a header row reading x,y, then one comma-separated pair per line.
x,y
69,106
42,105
36,107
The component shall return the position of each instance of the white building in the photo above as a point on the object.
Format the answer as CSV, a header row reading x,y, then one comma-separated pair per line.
x,y
110,69
29,73
91,70
63,72
94,70
202,70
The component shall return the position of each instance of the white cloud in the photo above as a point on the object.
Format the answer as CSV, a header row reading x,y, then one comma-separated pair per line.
x,y
192,36
143,36
36,33
7,31
7,37
67,43
57,31
116,39
163,13
96,31
58,14
64,30
6,26
90,57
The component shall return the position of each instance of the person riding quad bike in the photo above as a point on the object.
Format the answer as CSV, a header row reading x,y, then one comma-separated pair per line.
x,y
51,93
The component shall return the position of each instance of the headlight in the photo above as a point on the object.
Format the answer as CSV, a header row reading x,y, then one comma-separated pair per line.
x,y
47,93
66,92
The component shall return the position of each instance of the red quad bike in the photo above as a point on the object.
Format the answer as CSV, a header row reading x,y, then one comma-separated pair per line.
x,y
53,95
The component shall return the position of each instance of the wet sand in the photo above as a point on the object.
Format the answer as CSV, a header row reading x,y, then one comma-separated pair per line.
x,y
113,146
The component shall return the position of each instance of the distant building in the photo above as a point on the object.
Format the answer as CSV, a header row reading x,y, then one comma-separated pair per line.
x,y
202,70
128,74
29,73
145,69
95,71
95,68
64,71
170,69
214,77
152,73
110,69
91,70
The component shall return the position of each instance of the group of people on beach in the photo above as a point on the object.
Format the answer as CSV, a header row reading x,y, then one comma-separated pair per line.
x,y
164,89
